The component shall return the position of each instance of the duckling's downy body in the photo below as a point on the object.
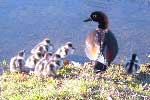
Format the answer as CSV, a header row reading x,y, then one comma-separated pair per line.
x,y
42,63
17,63
65,50
32,60
51,68
133,65
44,46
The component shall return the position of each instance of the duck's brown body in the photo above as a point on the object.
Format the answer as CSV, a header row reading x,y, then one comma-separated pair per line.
x,y
101,42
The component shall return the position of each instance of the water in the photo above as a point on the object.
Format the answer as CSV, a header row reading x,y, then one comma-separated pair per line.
x,y
23,23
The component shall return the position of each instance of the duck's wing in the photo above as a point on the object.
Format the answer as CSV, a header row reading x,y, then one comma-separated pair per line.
x,y
112,46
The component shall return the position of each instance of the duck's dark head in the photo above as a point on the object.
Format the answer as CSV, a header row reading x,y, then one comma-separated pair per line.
x,y
100,18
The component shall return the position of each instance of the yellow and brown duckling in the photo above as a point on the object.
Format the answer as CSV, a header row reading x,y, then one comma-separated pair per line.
x,y
101,44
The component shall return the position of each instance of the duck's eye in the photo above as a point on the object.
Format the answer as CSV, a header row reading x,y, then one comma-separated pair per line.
x,y
94,16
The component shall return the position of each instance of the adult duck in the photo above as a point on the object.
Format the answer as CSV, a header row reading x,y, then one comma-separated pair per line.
x,y
101,45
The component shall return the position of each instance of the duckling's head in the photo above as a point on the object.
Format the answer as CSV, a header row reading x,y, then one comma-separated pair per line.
x,y
38,55
99,17
69,48
21,53
48,55
134,57
56,57
46,41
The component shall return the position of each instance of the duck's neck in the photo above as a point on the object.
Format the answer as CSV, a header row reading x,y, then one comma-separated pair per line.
x,y
103,25
102,30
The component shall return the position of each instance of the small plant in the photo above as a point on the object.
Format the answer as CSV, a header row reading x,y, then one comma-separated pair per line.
x,y
4,63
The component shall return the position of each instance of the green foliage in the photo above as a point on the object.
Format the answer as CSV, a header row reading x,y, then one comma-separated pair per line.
x,y
77,82
4,63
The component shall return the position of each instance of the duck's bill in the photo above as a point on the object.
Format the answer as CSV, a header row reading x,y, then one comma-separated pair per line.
x,y
87,20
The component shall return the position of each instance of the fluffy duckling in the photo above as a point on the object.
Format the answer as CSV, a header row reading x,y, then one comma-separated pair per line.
x,y
42,62
32,60
133,65
17,62
44,46
57,61
53,65
49,69
65,50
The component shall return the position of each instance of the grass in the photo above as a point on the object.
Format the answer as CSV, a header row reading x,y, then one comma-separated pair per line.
x,y
3,62
78,82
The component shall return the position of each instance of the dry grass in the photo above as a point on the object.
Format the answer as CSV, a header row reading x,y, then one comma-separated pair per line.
x,y
78,82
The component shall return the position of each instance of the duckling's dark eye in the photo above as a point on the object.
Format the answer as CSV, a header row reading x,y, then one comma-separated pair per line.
x,y
19,60
50,54
39,54
51,66
57,55
21,54
48,41
40,48
70,45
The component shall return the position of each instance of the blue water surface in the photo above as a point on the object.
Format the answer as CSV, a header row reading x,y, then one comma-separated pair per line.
x,y
23,23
